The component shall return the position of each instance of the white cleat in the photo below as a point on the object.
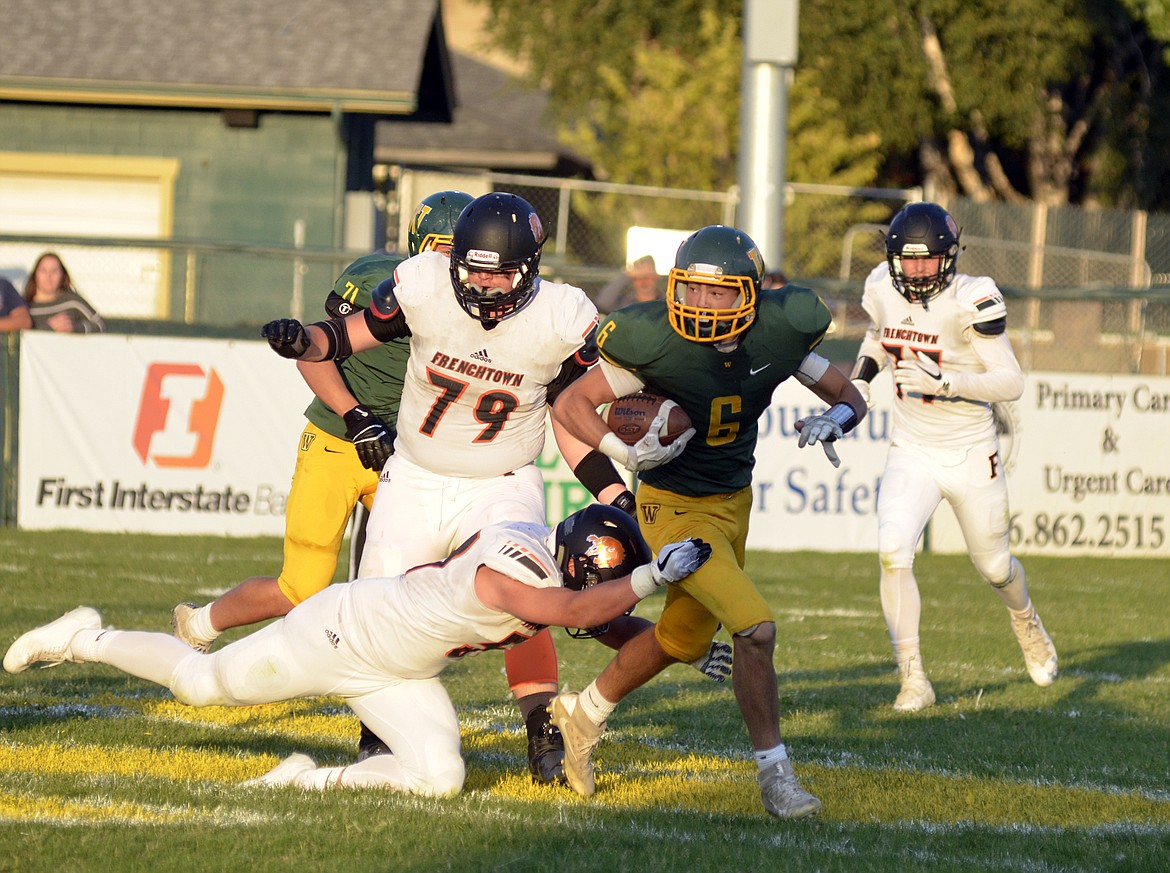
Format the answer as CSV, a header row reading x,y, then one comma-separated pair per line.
x,y
285,773
1039,653
782,795
50,643
917,693
581,737
181,625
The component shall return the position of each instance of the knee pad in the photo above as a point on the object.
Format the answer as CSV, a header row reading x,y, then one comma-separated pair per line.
x,y
998,569
893,550
443,777
196,682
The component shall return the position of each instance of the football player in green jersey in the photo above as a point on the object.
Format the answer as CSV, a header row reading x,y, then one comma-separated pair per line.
x,y
718,346
338,460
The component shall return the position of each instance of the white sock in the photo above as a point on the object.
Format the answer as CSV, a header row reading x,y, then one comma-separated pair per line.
x,y
908,657
145,654
768,758
201,624
596,708
1014,592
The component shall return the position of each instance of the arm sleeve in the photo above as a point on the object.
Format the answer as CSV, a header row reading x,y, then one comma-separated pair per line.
x,y
1002,379
870,348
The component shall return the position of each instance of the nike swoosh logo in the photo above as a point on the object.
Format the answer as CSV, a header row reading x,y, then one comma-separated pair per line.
x,y
680,512
334,451
755,370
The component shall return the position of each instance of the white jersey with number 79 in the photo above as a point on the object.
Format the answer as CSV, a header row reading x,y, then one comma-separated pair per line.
x,y
475,401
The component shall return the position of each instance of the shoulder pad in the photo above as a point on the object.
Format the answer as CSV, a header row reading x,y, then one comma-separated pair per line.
x,y
337,306
980,298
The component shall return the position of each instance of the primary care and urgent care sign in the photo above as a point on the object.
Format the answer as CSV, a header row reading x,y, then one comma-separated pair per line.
x,y
1088,464
156,435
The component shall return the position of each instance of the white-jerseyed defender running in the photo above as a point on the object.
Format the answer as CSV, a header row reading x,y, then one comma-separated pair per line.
x,y
945,335
381,643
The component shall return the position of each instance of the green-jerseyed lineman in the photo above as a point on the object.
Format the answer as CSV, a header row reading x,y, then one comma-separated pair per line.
x,y
717,346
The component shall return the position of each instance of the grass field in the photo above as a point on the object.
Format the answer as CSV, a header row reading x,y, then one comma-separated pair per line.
x,y
103,771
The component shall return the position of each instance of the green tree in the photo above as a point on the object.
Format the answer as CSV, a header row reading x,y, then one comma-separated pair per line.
x,y
975,103
1051,100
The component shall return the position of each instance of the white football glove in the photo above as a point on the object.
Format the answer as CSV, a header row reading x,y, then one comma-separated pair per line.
x,y
716,664
674,563
921,375
649,451
820,429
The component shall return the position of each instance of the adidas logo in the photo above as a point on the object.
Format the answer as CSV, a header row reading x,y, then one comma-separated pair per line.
x,y
481,355
908,320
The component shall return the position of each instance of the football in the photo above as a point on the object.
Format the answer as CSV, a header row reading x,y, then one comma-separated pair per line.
x,y
630,416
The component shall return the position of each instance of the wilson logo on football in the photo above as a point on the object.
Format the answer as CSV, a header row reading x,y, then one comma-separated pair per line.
x,y
177,415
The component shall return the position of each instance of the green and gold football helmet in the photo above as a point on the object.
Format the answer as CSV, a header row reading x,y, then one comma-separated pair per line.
x,y
721,256
434,220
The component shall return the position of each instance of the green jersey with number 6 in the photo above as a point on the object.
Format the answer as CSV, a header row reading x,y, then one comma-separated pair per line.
x,y
724,393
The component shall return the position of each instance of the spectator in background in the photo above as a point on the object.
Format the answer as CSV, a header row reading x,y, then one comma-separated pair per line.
x,y
773,279
14,314
54,303
637,284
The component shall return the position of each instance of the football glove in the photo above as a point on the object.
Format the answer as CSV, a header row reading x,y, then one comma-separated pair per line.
x,y
372,437
649,451
286,337
716,664
822,429
921,375
674,563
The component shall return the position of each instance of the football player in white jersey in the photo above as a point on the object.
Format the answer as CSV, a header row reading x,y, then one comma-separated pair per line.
x,y
944,335
381,643
485,363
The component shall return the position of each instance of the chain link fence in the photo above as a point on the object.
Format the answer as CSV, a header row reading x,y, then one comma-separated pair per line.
x,y
1087,289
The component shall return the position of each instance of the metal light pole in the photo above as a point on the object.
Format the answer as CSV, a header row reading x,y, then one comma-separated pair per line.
x,y
769,54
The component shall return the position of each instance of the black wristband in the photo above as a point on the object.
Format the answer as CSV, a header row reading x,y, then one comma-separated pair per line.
x,y
596,472
626,502
845,415
359,415
865,369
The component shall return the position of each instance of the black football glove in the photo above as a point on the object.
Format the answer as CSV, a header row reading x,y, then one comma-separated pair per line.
x,y
372,437
286,336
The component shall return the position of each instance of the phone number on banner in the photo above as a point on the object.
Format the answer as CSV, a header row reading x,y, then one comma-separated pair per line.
x,y
1074,530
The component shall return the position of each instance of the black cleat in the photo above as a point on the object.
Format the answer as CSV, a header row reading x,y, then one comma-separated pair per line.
x,y
546,749
370,744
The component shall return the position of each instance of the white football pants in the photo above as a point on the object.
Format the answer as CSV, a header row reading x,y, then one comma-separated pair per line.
x,y
419,517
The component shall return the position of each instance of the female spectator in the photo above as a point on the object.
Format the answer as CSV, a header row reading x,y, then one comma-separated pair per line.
x,y
54,303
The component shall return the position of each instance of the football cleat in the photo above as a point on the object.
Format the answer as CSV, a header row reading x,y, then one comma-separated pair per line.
x,y
181,617
50,643
370,744
580,739
917,693
1039,653
284,773
782,795
546,748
